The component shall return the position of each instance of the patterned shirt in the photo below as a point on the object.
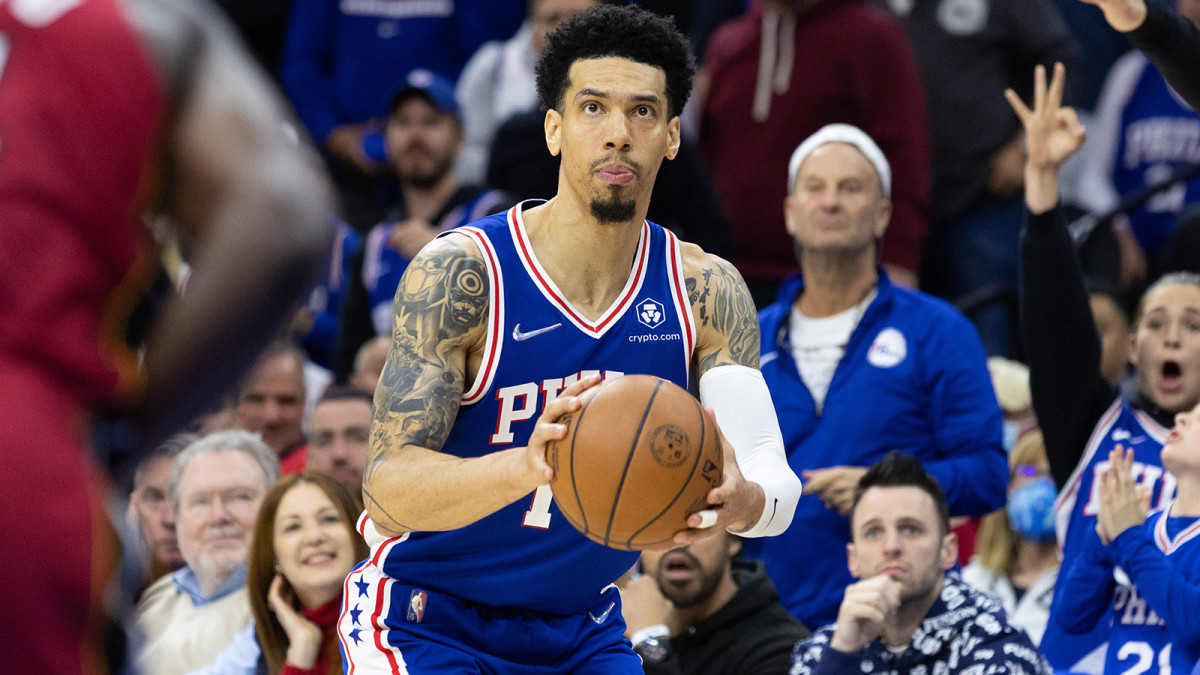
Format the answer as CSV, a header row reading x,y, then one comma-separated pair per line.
x,y
965,632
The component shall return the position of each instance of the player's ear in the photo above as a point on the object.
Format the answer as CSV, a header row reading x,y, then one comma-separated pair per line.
x,y
852,561
553,127
673,138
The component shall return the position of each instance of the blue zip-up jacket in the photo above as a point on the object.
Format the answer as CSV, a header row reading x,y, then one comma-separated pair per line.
x,y
914,378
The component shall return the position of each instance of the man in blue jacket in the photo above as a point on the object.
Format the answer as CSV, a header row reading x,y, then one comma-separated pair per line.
x,y
858,366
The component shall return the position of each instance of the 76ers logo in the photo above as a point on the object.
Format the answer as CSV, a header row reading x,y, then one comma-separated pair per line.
x,y
650,313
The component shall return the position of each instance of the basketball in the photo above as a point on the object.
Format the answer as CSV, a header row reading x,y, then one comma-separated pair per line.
x,y
639,457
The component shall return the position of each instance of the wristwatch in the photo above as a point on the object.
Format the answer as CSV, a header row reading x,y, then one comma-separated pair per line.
x,y
654,649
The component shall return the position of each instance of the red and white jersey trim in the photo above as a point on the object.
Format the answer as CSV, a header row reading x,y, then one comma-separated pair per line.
x,y
1070,491
1065,503
380,543
365,643
1165,543
556,297
1151,426
679,297
494,340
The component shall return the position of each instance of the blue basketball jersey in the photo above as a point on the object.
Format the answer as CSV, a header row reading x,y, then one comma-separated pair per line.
x,y
527,555
1160,134
1078,506
1141,640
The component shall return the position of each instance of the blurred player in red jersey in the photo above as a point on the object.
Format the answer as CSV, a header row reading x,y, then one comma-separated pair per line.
x,y
110,109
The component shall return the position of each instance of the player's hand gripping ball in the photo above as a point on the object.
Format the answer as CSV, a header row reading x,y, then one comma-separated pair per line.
x,y
639,457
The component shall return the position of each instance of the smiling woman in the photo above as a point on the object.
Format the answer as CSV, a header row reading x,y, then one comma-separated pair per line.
x,y
304,546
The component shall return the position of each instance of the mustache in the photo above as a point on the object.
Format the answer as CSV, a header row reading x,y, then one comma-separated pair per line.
x,y
416,147
219,531
693,561
613,159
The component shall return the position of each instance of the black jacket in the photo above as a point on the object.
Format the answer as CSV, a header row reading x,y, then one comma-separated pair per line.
x,y
1172,43
751,634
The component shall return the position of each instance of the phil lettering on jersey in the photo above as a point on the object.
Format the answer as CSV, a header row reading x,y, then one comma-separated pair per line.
x,y
523,402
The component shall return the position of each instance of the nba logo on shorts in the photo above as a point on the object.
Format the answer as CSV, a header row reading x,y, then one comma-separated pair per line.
x,y
416,605
650,313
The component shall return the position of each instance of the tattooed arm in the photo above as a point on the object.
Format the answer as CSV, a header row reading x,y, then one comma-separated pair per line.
x,y
759,493
726,320
438,324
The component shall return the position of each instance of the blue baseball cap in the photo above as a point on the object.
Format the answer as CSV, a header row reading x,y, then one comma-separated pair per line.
x,y
438,90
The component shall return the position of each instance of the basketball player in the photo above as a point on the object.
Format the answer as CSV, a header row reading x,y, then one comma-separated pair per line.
x,y
1082,415
101,102
498,328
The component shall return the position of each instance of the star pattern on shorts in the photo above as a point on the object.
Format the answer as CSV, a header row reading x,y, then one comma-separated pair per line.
x,y
362,587
354,635
354,615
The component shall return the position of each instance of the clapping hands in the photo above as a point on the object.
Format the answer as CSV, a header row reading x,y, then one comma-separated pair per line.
x,y
1123,503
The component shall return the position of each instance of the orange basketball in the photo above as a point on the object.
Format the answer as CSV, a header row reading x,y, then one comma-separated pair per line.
x,y
639,457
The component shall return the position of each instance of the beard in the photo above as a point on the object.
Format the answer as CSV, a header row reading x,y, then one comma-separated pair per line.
x,y
694,592
613,209
923,586
424,175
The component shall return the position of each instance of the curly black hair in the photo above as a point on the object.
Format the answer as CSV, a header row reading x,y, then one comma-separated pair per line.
x,y
900,470
628,32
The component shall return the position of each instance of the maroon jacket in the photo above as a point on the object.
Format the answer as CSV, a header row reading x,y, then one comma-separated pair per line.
x,y
852,64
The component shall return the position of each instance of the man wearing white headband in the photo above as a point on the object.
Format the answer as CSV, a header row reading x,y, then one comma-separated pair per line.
x,y
858,366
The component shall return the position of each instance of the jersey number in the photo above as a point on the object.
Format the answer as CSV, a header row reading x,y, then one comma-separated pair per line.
x,y
1145,657
538,514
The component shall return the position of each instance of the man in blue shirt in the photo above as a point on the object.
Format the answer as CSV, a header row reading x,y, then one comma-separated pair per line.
x,y
858,366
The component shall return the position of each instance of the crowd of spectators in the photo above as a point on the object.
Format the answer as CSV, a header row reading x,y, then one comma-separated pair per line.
x,y
888,115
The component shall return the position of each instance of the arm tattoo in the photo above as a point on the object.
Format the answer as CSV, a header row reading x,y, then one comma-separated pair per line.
x,y
441,303
723,305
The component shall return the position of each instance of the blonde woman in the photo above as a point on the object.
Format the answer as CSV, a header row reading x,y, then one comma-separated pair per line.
x,y
1016,557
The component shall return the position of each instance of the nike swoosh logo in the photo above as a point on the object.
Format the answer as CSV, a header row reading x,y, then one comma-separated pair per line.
x,y
774,509
603,615
518,335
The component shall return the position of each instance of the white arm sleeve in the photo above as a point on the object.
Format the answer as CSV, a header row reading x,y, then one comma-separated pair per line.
x,y
739,397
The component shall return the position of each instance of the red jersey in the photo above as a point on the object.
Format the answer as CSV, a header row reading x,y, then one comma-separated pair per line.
x,y
81,105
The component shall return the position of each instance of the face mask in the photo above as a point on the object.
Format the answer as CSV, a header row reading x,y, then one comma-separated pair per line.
x,y
1031,510
1012,430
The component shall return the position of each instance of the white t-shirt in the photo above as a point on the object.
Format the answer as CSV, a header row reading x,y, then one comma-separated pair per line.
x,y
819,344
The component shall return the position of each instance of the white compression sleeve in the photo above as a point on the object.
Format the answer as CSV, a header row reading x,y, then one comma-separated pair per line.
x,y
739,397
